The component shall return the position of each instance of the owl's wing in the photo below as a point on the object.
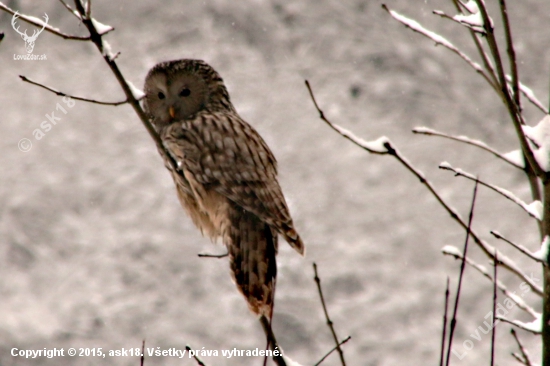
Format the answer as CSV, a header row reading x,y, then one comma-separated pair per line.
x,y
226,154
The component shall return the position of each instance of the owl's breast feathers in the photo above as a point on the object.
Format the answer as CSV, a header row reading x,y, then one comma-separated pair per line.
x,y
224,159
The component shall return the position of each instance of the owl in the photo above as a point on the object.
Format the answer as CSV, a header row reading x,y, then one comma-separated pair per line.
x,y
226,175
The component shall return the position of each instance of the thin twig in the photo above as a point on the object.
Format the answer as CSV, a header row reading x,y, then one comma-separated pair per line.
x,y
199,361
518,358
521,248
520,325
460,276
332,350
444,332
207,255
329,322
488,67
524,353
97,40
272,341
416,27
468,141
471,27
493,326
142,360
61,94
513,108
530,95
390,150
47,27
518,300
68,7
511,53
533,212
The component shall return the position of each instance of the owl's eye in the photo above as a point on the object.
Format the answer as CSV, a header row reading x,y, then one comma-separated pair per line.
x,y
161,95
185,92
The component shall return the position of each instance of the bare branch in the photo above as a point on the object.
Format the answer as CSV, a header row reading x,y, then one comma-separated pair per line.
x,y
272,341
142,360
332,350
47,27
518,300
188,348
493,326
461,275
329,322
61,94
132,100
444,332
524,353
469,141
511,53
534,209
207,255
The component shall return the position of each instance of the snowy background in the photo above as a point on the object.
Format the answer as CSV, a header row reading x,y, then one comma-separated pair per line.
x,y
95,250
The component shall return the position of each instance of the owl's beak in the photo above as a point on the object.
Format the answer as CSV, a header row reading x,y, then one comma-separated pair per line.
x,y
171,112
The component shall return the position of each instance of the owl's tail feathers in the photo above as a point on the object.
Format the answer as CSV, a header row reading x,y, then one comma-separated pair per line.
x,y
252,248
292,238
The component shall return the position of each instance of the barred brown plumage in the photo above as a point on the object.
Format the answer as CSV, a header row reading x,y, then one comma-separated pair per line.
x,y
227,177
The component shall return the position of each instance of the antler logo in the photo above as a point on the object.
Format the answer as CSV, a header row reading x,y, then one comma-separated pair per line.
x,y
29,40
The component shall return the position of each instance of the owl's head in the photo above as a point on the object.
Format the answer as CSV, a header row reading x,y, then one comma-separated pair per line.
x,y
177,90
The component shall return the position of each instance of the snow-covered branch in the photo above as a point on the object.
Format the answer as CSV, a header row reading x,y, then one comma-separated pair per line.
x,y
534,209
514,158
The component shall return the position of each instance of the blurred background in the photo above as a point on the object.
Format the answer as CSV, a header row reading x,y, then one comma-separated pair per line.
x,y
95,250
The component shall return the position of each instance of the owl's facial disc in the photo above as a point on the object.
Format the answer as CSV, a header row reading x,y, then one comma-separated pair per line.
x,y
171,98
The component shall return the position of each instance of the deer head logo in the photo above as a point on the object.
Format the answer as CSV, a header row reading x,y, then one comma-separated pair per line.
x,y
29,40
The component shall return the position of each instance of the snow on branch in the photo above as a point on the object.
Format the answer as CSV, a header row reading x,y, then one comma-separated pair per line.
x,y
534,209
539,136
377,146
40,23
540,255
417,27
534,327
514,158
518,300
484,246
530,95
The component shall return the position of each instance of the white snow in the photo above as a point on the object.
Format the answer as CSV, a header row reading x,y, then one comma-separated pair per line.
x,y
540,134
534,209
136,92
374,146
515,157
535,326
426,130
451,250
445,165
474,19
542,253
107,51
414,25
100,27
472,7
